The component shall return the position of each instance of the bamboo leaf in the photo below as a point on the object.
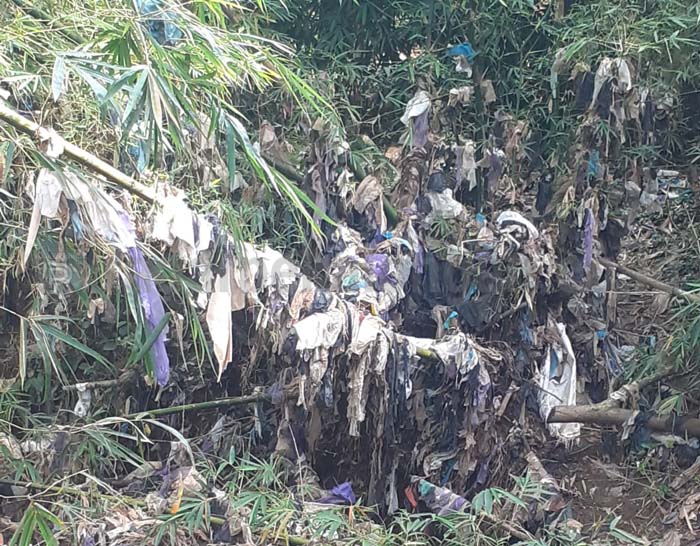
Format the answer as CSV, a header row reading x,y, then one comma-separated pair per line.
x,y
121,83
7,154
22,350
45,532
176,433
134,100
156,102
231,155
71,341
58,77
25,532
151,339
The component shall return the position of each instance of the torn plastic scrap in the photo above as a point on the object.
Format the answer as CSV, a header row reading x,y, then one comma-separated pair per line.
x,y
488,93
557,378
369,344
48,191
340,494
82,406
443,205
368,200
609,69
460,95
510,217
464,54
439,500
317,333
104,213
417,106
466,164
47,198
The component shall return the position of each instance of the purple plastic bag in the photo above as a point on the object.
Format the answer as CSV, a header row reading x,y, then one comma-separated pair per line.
x,y
340,494
380,266
153,309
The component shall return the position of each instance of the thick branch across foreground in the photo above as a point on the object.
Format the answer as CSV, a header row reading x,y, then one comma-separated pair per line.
x,y
599,415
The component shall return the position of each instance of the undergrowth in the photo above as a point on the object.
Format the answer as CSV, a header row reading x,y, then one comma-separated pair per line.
x,y
252,497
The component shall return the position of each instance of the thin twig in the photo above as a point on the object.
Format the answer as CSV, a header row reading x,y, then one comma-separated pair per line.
x,y
210,404
127,377
508,527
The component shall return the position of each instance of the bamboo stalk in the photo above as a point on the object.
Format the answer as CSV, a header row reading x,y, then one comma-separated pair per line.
x,y
67,490
27,126
46,18
104,384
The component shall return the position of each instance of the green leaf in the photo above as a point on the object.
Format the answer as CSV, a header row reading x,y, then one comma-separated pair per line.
x,y
231,155
7,154
135,99
483,502
624,535
25,532
121,83
70,340
46,533
22,350
512,498
150,340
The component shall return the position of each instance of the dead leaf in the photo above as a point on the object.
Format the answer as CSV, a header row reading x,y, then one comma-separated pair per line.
x,y
488,93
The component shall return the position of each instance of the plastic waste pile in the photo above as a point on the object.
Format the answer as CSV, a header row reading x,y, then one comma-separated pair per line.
x,y
445,325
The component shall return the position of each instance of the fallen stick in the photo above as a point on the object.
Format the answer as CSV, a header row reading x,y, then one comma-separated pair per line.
x,y
601,415
103,384
556,502
688,474
631,390
540,472
503,316
126,377
651,282
508,527
210,404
